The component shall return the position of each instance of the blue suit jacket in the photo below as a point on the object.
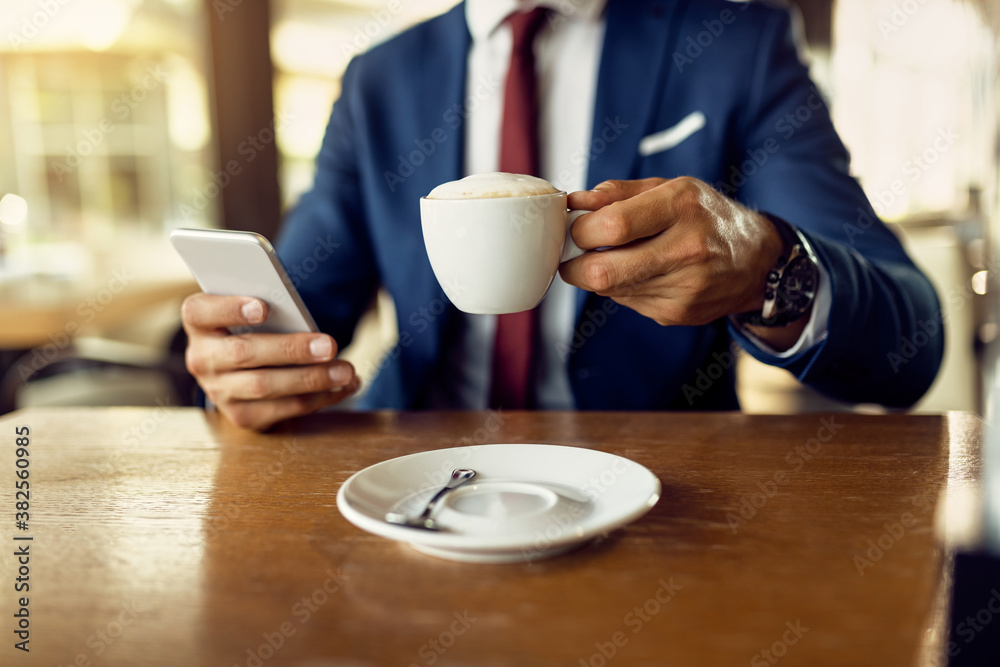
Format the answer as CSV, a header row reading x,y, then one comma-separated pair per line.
x,y
397,131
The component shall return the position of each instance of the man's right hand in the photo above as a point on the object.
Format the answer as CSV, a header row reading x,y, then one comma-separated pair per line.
x,y
258,379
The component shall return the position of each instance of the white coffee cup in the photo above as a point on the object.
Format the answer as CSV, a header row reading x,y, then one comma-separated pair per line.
x,y
498,255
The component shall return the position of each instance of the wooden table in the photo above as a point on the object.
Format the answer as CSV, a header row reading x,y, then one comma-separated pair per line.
x,y
113,285
41,312
168,537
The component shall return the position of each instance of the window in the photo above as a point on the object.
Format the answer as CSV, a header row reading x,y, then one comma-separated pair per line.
x,y
104,115
311,43
914,102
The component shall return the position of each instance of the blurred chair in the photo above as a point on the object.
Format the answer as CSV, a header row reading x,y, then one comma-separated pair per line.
x,y
141,374
937,247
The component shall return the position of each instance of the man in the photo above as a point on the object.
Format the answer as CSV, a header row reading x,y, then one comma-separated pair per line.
x,y
703,114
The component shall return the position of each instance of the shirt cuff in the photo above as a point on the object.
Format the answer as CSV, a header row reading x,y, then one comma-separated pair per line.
x,y
816,329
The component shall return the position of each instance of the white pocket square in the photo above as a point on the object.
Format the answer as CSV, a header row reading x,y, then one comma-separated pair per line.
x,y
672,136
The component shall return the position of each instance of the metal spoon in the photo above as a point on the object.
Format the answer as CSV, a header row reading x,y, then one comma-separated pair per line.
x,y
459,476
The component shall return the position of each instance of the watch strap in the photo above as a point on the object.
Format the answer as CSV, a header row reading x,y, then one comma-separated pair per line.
x,y
794,247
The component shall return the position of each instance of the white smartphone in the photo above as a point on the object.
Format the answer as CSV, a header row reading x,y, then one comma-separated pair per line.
x,y
238,263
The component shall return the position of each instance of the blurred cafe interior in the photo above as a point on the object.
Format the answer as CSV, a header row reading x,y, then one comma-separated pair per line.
x,y
117,118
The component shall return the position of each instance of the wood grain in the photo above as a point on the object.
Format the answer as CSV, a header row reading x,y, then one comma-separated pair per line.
x,y
168,537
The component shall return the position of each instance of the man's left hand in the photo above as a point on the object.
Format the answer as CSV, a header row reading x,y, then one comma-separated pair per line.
x,y
678,251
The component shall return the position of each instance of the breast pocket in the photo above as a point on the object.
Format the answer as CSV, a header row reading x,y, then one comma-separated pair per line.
x,y
671,137
687,147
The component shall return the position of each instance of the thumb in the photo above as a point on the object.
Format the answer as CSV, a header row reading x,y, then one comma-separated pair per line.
x,y
609,192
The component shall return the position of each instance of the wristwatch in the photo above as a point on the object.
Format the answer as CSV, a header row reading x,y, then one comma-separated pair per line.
x,y
791,284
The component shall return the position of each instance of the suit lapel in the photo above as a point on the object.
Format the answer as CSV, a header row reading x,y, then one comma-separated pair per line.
x,y
630,82
436,102
443,75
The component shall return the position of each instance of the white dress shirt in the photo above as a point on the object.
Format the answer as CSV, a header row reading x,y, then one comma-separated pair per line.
x,y
567,57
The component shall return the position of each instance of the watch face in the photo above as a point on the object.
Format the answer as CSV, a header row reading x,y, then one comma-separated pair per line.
x,y
797,288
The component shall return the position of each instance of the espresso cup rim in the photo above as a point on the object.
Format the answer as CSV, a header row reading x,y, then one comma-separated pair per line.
x,y
480,199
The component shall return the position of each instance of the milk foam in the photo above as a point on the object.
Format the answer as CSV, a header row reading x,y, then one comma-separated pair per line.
x,y
493,185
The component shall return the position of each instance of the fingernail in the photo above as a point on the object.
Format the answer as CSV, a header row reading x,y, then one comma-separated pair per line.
x,y
321,348
341,374
253,312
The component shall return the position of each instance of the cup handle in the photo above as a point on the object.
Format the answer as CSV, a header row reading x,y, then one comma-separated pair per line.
x,y
570,249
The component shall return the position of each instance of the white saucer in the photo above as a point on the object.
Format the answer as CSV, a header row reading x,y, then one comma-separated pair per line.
x,y
527,501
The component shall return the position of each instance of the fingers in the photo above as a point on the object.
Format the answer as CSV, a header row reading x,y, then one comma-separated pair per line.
x,y
610,191
628,269
261,415
262,384
626,211
221,354
258,379
616,271
210,313
677,251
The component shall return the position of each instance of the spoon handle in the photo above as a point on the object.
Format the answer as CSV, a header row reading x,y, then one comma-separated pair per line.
x,y
459,476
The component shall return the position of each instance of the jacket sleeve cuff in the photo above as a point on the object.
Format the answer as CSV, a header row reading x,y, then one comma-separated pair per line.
x,y
815,332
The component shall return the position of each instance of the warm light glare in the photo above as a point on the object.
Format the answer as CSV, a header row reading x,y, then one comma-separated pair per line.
x,y
321,50
105,23
13,210
307,101
909,101
187,106
979,282
906,34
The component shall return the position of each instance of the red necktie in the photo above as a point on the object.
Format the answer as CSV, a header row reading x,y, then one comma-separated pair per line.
x,y
513,352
